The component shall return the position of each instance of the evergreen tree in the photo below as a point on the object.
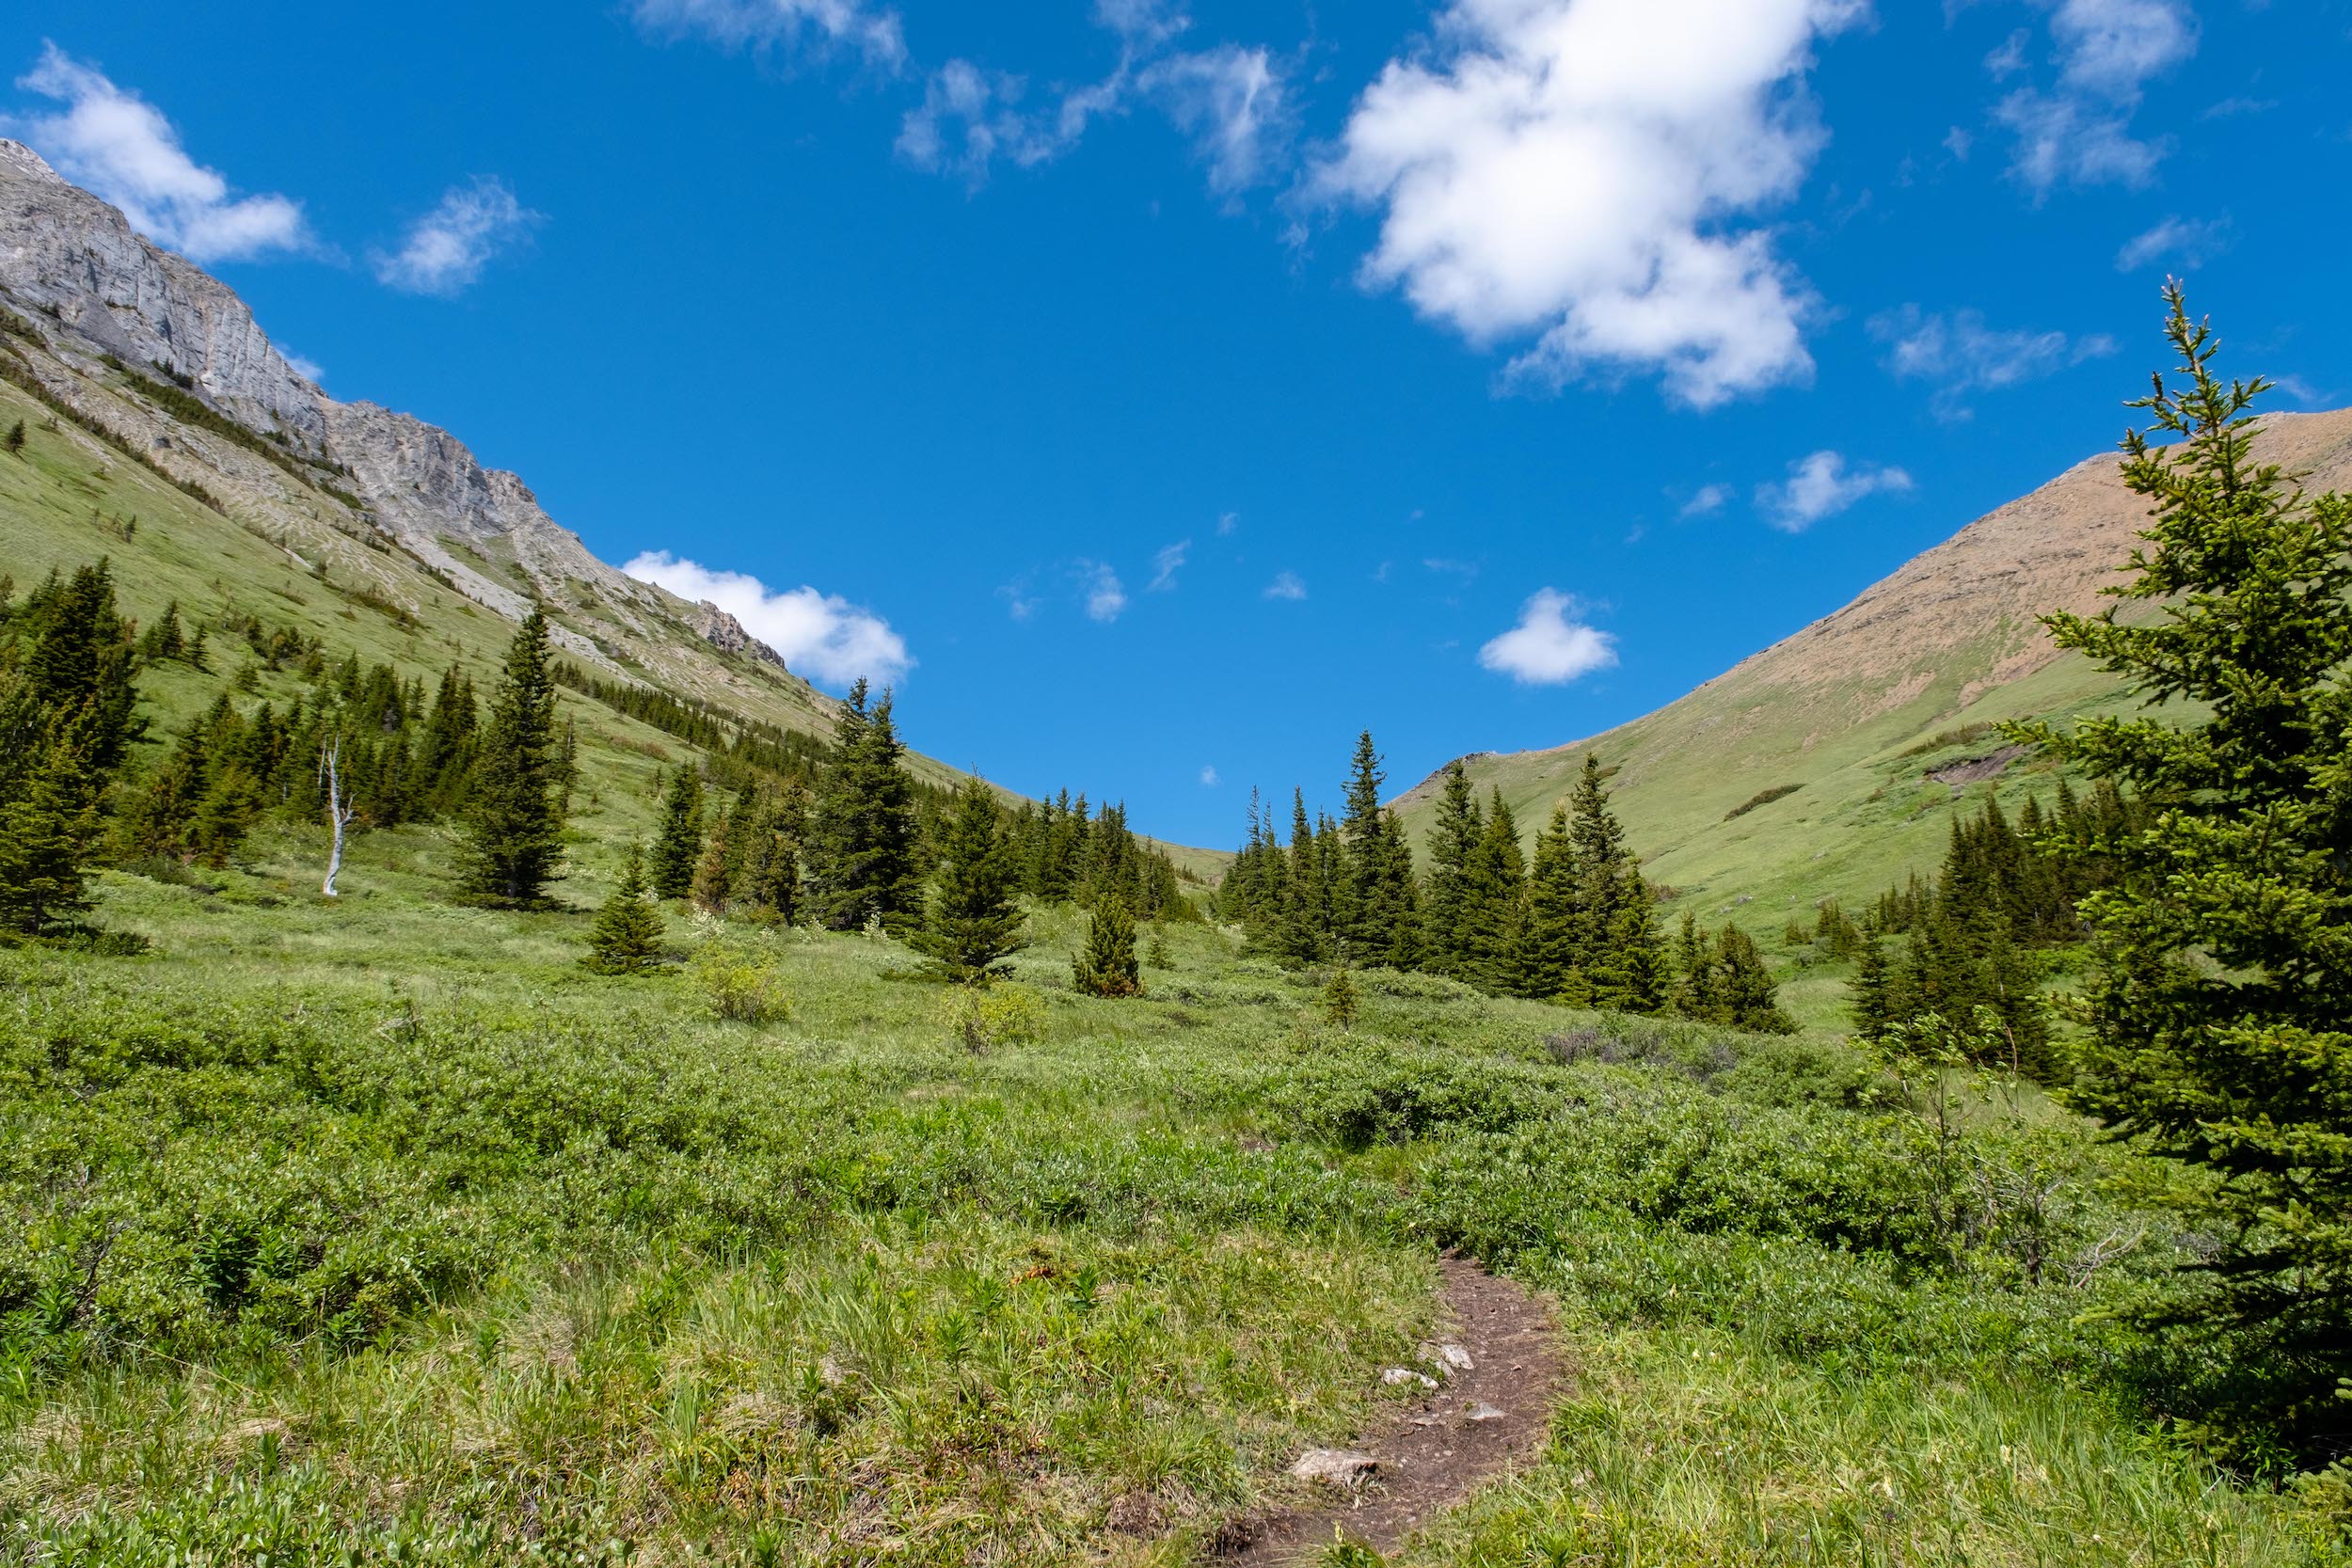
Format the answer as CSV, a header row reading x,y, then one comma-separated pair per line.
x,y
67,721
1494,903
2220,1016
514,825
714,882
1107,965
1453,840
1872,1007
1550,960
1304,934
861,851
627,938
1374,904
15,440
678,843
973,923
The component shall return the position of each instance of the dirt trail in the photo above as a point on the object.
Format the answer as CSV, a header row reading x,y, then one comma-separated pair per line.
x,y
1480,1422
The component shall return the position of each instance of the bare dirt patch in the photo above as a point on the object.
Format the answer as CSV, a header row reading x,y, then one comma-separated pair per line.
x,y
1480,1422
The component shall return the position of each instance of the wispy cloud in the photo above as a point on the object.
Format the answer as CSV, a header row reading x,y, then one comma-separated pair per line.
x,y
1105,598
1166,564
1550,646
121,149
874,32
1961,354
1209,779
304,366
1579,170
445,250
1286,585
1707,499
2176,242
2077,129
1235,102
820,635
1821,486
1227,523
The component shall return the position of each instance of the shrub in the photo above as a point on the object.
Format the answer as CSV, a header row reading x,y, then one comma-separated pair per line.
x,y
743,986
985,1016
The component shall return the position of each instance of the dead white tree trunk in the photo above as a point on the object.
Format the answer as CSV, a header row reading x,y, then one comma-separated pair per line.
x,y
340,811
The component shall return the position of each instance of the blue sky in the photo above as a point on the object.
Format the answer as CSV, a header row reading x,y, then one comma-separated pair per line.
x,y
1162,393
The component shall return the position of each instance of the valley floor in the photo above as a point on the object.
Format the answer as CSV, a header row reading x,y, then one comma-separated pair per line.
x,y
379,1232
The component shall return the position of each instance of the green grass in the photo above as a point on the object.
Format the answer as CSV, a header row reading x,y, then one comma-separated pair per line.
x,y
378,1228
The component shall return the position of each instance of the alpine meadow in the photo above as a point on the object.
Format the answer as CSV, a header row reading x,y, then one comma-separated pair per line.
x,y
506,1060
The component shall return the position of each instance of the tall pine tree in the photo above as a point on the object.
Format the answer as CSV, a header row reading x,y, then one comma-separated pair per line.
x,y
862,852
973,923
514,820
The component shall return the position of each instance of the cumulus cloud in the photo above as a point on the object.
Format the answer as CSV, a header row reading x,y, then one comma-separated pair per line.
x,y
1549,646
820,635
1105,598
1961,354
2176,242
1710,498
120,147
1821,486
872,31
1166,564
1234,103
2076,128
1286,585
445,250
1587,171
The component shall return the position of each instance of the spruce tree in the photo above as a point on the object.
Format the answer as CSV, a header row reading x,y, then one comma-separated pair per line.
x,y
1376,915
714,884
861,851
678,845
15,440
513,822
1550,966
1494,904
2220,1015
974,924
67,721
1106,966
627,938
1453,839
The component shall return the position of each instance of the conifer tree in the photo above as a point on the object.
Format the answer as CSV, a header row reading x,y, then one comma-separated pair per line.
x,y
1375,905
627,938
1494,903
2220,1032
861,850
514,825
67,721
1305,935
1453,840
15,440
1106,966
678,843
973,923
1550,960
714,885
1872,1005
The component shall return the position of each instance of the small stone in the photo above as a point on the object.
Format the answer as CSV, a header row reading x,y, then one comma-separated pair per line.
x,y
1479,1411
1455,1358
1340,1467
1395,1376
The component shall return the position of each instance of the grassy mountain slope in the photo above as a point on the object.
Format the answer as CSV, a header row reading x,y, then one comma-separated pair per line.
x,y
1861,710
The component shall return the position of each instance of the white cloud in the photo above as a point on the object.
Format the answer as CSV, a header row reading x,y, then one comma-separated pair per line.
x,y
1548,646
874,32
1209,779
2078,129
1227,523
121,148
304,366
1961,354
1579,169
1710,498
820,635
1104,597
1286,585
2176,242
1235,102
1959,143
1823,485
1166,564
446,250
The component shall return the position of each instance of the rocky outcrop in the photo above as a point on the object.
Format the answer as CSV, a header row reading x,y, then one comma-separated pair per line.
x,y
92,286
70,256
725,633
